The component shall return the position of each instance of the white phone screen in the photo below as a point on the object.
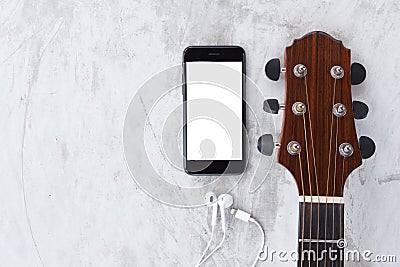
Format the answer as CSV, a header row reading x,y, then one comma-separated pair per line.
x,y
214,110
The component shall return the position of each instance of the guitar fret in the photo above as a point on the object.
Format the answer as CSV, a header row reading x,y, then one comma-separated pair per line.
x,y
318,240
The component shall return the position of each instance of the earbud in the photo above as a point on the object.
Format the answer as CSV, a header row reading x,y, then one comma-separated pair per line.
x,y
212,200
225,201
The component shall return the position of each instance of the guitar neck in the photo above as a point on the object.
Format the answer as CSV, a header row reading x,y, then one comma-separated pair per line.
x,y
321,226
318,143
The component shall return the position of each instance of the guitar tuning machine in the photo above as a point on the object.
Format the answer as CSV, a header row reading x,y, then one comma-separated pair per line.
x,y
346,149
367,147
272,106
266,144
358,73
294,148
337,72
299,108
300,70
339,110
273,69
360,110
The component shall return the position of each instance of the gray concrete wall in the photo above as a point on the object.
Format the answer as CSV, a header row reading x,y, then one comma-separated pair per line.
x,y
68,71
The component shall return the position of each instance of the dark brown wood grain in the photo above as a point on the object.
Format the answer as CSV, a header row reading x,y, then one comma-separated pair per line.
x,y
318,51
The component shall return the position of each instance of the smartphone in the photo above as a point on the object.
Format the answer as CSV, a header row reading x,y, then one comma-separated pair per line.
x,y
214,110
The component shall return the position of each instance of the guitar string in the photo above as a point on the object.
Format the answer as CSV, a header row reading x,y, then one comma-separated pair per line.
x,y
329,167
303,210
309,182
334,183
341,222
315,165
309,171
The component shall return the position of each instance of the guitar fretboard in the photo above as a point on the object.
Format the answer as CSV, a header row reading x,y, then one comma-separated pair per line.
x,y
320,230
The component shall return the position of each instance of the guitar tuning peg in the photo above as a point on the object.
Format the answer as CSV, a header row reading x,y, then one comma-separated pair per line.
x,y
360,110
272,106
273,69
367,147
266,144
358,73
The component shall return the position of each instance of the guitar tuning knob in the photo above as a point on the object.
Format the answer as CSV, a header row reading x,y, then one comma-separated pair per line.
x,y
266,144
367,147
360,110
272,106
273,69
358,73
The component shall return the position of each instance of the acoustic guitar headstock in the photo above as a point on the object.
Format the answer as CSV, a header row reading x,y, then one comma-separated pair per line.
x,y
318,142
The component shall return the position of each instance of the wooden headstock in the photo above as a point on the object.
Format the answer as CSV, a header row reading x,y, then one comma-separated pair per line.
x,y
318,144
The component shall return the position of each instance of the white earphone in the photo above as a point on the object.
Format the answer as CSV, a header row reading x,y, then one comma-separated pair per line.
x,y
225,201
212,200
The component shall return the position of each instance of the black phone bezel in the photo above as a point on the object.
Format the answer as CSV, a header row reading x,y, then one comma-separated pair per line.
x,y
214,54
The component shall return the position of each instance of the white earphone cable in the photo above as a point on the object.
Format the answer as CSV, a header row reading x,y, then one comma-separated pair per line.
x,y
261,251
213,251
207,247
225,201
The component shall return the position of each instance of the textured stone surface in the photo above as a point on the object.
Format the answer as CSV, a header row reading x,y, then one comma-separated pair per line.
x,y
68,70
